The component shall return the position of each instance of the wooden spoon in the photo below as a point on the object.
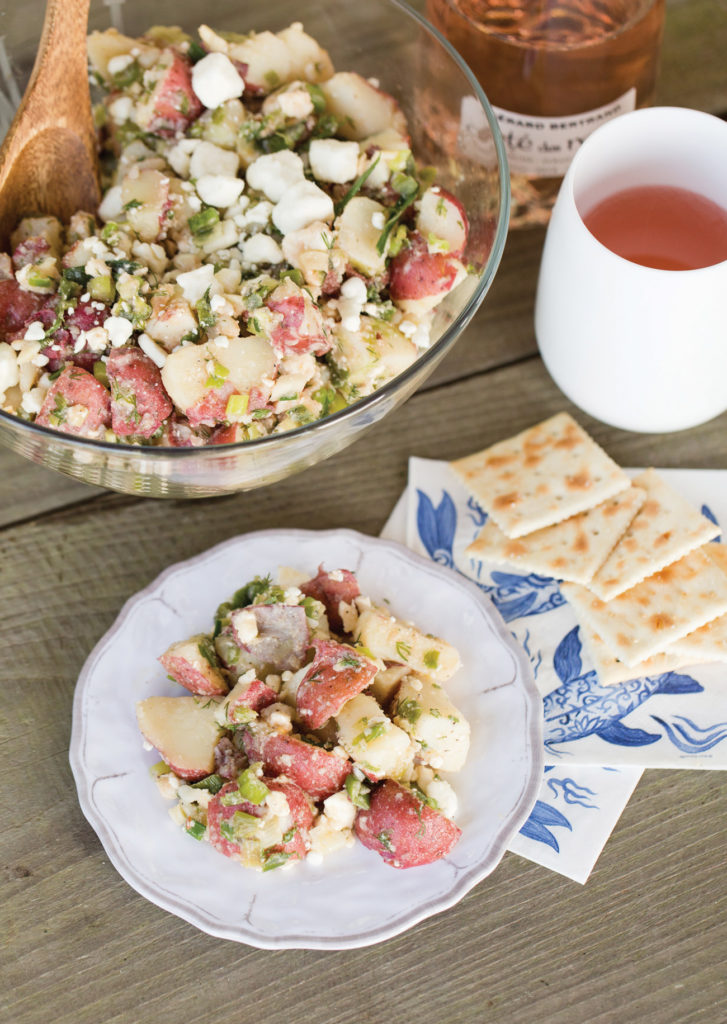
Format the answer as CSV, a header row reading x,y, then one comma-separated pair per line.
x,y
48,159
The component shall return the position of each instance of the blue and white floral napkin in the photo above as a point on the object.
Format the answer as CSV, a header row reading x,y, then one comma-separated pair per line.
x,y
597,739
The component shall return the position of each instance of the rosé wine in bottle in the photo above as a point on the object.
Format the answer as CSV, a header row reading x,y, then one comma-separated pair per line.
x,y
553,71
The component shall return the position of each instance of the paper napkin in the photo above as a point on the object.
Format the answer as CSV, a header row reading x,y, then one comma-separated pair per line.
x,y
675,719
593,762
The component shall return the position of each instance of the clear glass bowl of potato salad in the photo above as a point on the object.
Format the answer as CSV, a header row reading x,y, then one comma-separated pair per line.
x,y
297,222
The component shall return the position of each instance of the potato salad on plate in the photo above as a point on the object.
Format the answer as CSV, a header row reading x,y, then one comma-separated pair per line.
x,y
266,252
314,718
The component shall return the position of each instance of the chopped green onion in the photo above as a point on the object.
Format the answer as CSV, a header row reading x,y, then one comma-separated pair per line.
x,y
102,289
204,313
159,768
195,829
356,187
213,783
274,859
201,223
357,791
237,405
252,788
218,376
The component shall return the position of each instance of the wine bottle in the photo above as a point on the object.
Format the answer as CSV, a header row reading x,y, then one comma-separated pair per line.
x,y
553,71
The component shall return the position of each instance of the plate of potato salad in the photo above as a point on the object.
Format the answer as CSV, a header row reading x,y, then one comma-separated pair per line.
x,y
319,739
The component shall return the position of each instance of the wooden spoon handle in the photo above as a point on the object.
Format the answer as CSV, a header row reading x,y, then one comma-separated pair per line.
x,y
48,160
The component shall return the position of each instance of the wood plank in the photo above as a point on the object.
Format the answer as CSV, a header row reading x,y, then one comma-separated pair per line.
x,y
529,944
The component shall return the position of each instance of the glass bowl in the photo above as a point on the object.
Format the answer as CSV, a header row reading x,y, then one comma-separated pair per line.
x,y
452,128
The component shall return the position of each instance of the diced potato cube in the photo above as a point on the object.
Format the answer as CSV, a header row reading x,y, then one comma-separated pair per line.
x,y
372,740
392,640
423,709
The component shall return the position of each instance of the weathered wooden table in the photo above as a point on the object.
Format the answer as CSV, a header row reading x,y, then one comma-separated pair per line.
x,y
644,941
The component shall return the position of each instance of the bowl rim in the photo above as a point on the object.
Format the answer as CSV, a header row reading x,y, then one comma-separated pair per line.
x,y
439,348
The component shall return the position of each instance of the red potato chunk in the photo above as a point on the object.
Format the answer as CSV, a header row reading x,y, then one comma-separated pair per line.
x,y
17,308
336,674
403,830
281,640
330,588
314,769
418,274
139,403
76,403
250,849
183,730
30,250
84,317
212,409
362,108
443,217
247,697
299,327
172,104
193,664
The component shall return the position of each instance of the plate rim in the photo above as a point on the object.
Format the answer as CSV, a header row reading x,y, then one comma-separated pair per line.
x,y
203,920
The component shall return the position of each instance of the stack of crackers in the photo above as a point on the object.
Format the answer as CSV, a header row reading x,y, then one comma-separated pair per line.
x,y
648,588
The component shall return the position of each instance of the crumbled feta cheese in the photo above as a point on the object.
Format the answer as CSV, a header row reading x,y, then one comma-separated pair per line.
x,y
119,63
351,303
207,158
378,220
301,204
85,297
76,416
334,161
35,331
219,304
355,289
274,174
256,216
97,339
9,374
28,350
295,103
244,623
219,189
407,328
32,400
40,360
277,803
194,283
339,810
179,157
121,109
443,795
223,235
150,348
278,716
215,79
260,248
119,330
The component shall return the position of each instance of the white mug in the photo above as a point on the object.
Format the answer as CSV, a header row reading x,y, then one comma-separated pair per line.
x,y
638,348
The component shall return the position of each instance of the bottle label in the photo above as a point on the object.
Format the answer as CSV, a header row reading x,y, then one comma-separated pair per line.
x,y
543,147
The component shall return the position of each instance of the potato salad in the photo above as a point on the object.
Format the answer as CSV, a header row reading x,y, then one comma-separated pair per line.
x,y
266,252
313,718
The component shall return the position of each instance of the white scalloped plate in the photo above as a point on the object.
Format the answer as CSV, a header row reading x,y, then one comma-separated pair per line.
x,y
352,899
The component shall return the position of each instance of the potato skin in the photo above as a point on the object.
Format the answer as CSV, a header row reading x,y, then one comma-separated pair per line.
x,y
325,689
300,810
330,592
315,770
404,831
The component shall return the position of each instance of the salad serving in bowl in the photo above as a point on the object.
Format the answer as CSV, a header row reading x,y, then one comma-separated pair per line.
x,y
284,251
